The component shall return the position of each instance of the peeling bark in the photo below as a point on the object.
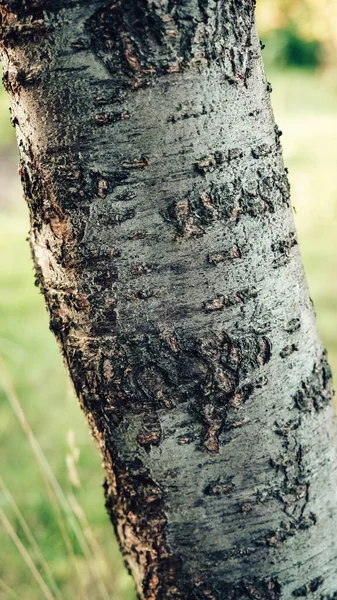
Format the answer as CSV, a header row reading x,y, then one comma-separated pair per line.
x,y
164,245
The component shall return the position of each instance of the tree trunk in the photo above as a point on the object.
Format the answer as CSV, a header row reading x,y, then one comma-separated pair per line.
x,y
165,248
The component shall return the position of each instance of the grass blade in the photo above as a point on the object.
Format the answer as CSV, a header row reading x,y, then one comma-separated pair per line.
x,y
34,545
10,593
26,556
50,476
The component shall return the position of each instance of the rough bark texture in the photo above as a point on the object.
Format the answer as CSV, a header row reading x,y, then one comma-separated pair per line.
x,y
165,247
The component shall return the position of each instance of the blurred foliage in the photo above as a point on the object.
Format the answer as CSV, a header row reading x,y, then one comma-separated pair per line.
x,y
285,48
299,32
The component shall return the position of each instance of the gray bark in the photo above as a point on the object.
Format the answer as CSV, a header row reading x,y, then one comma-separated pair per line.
x,y
165,248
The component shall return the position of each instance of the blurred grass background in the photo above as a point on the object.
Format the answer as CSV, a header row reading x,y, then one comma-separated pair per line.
x,y
301,45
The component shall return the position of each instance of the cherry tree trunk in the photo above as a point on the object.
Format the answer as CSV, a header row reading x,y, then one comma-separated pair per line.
x,y
165,248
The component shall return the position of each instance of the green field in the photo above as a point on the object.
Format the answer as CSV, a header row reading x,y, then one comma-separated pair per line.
x,y
306,111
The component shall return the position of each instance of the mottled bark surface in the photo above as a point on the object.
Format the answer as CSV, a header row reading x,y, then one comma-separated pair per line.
x,y
165,247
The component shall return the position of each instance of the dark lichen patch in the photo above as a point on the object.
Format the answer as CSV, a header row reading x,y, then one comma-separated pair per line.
x,y
218,159
315,393
184,111
102,119
261,382
293,492
215,304
262,150
288,350
108,217
93,257
206,163
235,252
285,428
25,78
293,486
141,522
20,21
248,589
136,163
219,488
137,235
222,301
151,433
148,438
255,193
282,250
222,397
139,40
180,214
213,422
264,354
308,588
109,118
79,44
143,294
186,439
103,317
235,154
293,325
140,269
215,258
170,338
286,530
209,211
236,551
212,161
278,134
102,187
161,370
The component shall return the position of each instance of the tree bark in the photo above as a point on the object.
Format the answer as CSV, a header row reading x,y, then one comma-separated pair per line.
x,y
165,247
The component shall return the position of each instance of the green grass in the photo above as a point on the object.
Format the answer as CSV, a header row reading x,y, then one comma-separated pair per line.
x,y
305,108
